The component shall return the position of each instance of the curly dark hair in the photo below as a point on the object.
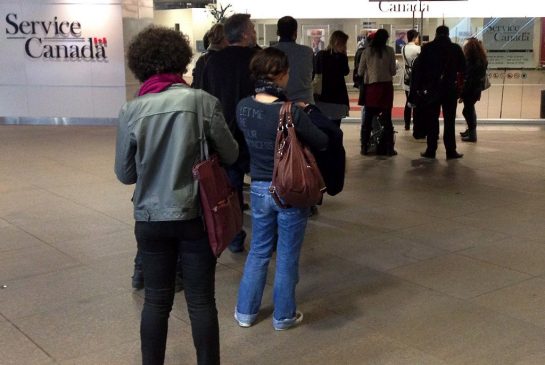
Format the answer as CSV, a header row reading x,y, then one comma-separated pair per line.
x,y
474,50
157,50
268,64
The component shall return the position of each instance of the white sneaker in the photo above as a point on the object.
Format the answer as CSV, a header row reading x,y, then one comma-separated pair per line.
x,y
298,319
241,323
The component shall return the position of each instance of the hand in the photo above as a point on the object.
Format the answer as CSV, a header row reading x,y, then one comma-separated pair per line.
x,y
301,104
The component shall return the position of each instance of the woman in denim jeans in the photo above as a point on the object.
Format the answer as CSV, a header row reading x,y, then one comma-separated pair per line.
x,y
257,117
157,146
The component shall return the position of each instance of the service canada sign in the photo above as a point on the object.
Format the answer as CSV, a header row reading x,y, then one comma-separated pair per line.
x,y
55,39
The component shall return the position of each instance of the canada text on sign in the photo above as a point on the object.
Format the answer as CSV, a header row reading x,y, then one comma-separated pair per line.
x,y
55,39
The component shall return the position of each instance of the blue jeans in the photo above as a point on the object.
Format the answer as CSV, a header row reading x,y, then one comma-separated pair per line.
x,y
159,244
290,224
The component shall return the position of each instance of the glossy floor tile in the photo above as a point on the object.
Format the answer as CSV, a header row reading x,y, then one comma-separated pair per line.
x,y
415,262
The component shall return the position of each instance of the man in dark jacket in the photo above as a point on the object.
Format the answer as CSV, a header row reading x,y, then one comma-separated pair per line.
x,y
437,81
227,77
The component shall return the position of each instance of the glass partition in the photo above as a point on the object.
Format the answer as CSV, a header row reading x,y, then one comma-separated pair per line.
x,y
515,49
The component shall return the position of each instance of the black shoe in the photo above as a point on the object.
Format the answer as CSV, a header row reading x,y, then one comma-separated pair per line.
x,y
391,153
469,138
364,150
138,279
454,155
465,133
407,127
179,283
427,155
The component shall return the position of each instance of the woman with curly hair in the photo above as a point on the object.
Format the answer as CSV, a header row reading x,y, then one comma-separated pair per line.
x,y
476,64
157,146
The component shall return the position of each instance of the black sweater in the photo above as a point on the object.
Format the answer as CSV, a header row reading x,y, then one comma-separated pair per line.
x,y
259,121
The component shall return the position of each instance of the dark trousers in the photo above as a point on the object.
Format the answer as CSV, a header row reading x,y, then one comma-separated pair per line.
x,y
470,114
138,262
159,243
236,178
367,125
407,112
431,114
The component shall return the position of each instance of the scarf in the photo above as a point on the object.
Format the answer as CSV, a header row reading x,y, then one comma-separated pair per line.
x,y
159,82
268,87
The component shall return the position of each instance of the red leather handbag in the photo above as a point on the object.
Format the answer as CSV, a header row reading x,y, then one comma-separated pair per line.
x,y
296,180
219,200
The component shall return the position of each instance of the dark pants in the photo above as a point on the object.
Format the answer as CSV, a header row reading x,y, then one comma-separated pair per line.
x,y
407,112
470,114
367,125
159,243
236,177
138,262
431,114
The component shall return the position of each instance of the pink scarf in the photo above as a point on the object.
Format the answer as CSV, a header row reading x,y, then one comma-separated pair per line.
x,y
159,82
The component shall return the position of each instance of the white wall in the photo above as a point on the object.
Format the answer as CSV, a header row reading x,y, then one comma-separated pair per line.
x,y
73,87
193,23
360,9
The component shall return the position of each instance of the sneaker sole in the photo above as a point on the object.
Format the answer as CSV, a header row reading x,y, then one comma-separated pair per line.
x,y
242,324
299,319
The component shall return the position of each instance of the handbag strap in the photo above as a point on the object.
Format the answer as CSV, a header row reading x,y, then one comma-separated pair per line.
x,y
407,65
200,119
284,121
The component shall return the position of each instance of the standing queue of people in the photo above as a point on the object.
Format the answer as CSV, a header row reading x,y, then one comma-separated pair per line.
x,y
238,91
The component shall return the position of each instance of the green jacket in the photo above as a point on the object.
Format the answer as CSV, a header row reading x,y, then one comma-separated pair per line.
x,y
158,144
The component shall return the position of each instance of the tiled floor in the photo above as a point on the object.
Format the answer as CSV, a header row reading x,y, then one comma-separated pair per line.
x,y
416,262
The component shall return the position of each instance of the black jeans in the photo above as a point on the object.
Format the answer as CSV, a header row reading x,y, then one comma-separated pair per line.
x,y
367,125
407,111
236,177
470,114
159,243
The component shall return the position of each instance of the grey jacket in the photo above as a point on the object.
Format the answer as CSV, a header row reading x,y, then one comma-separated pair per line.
x,y
375,69
158,144
300,59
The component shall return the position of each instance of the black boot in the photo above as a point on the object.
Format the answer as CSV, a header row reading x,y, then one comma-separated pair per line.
x,y
465,133
454,155
390,143
471,136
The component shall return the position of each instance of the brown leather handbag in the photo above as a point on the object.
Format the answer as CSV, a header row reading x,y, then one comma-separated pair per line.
x,y
220,204
296,180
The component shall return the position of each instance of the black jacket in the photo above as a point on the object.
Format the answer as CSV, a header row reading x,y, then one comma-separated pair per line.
x,y
226,75
333,67
332,161
473,80
438,66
